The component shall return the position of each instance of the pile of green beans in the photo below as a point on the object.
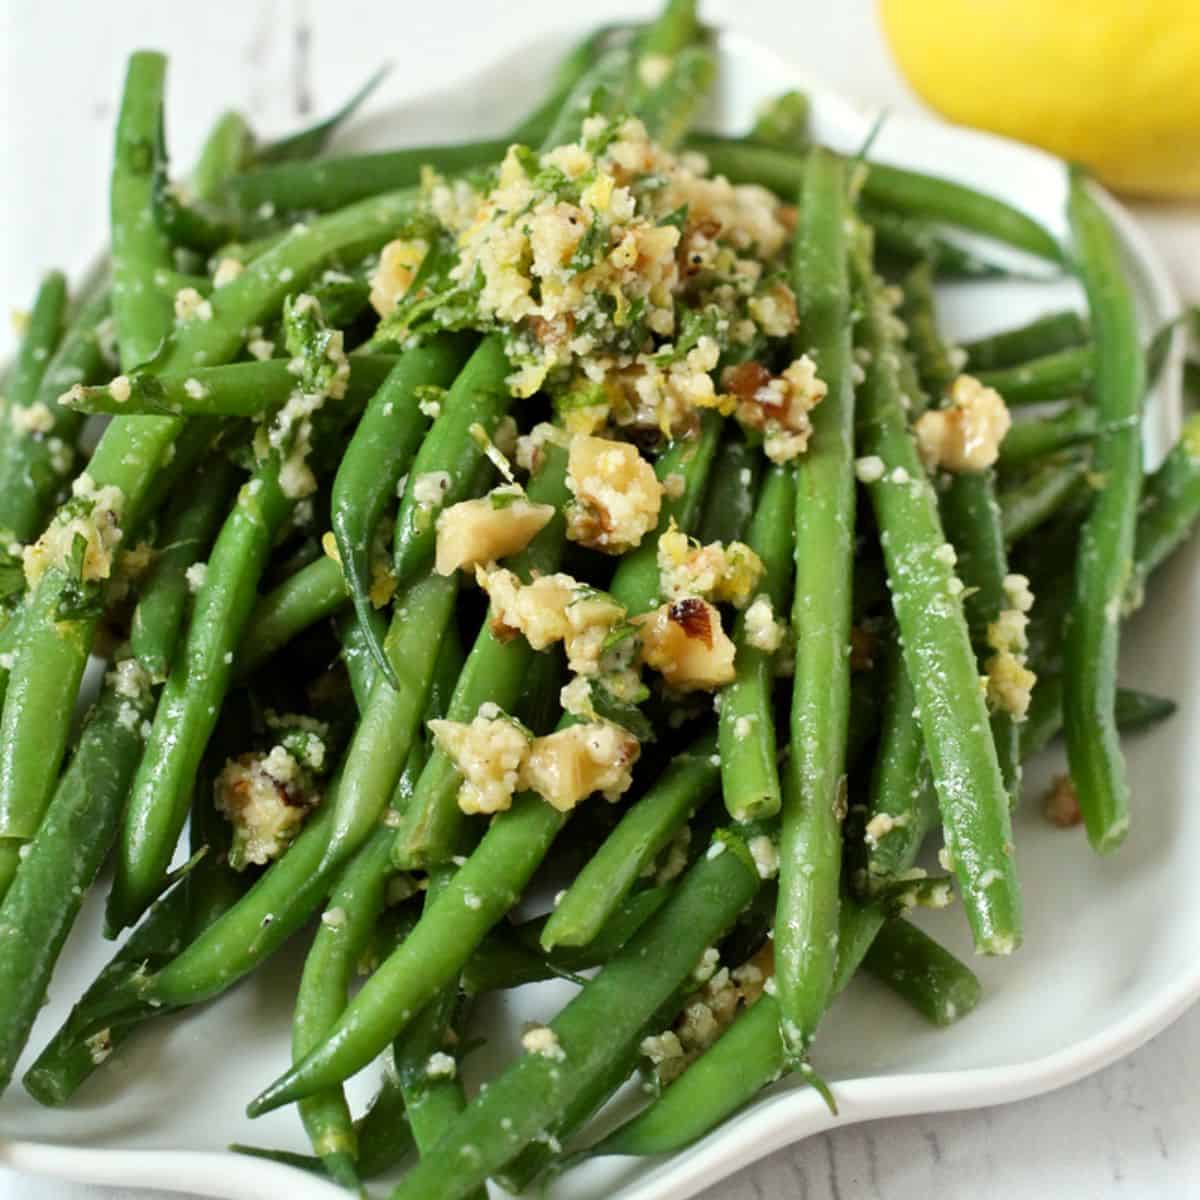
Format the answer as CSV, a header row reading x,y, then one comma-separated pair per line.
x,y
256,547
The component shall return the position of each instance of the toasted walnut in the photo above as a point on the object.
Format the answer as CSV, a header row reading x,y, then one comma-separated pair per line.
x,y
1061,803
966,436
398,265
685,642
570,764
480,531
617,495
778,405
713,572
488,753
266,798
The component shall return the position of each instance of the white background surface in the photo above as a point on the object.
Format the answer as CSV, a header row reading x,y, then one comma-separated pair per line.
x,y
1127,1132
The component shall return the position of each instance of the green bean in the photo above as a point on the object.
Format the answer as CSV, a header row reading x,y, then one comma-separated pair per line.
x,y
783,122
675,28
911,239
933,357
609,1011
814,795
1030,503
344,929
970,515
487,885
193,693
248,389
64,857
1051,377
643,832
1170,504
606,88
333,183
514,957
1038,437
392,717
477,897
384,443
747,1057
941,988
356,654
431,833
478,396
314,592
141,311
41,336
937,649
893,189
433,1093
82,1043
189,525
307,143
1133,710
432,827
746,724
226,151
1106,543
1044,335
33,468
730,500
49,663
576,63
670,106
901,787
211,888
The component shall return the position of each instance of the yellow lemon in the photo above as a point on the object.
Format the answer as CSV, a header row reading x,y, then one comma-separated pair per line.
x,y
1112,84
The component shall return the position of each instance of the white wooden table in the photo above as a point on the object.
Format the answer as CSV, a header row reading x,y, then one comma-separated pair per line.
x,y
1127,1132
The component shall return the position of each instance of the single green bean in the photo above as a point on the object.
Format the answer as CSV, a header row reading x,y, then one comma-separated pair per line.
x,y
1170,504
62,860
937,649
448,453
1044,335
643,832
941,988
226,151
746,723
732,493
1038,437
392,718
193,694
814,786
783,122
248,389
309,142
1134,711
902,807
911,239
1051,377
310,595
141,311
1030,503
669,108
511,958
970,514
1106,543
190,523
345,927
427,1062
381,449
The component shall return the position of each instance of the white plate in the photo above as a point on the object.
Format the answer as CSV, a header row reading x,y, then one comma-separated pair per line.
x,y
1110,953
